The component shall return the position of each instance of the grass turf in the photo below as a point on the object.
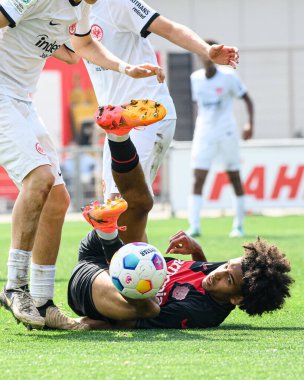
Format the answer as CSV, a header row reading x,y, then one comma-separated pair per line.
x,y
269,347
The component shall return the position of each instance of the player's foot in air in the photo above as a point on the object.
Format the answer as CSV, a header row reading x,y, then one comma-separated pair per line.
x,y
237,232
104,216
57,320
119,120
20,303
193,232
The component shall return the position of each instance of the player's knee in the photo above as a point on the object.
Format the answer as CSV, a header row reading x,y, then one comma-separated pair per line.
x,y
140,201
39,183
144,203
150,310
61,203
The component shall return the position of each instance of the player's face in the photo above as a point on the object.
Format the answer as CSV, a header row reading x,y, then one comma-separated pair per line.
x,y
224,283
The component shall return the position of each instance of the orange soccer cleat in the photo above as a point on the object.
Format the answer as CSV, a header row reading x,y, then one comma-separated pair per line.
x,y
104,217
119,120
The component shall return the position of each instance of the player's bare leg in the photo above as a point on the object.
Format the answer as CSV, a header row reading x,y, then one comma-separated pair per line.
x,y
133,188
45,252
28,207
127,174
195,202
25,218
236,182
106,298
47,241
110,303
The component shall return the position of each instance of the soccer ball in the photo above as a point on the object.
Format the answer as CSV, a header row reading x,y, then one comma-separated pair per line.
x,y
138,270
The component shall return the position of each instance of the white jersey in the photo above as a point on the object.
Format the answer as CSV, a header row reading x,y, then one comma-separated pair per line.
x,y
214,97
121,26
37,29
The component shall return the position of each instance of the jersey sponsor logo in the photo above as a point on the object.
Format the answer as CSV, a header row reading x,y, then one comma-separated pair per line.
x,y
22,5
39,149
72,28
180,292
219,91
140,9
172,269
211,104
46,46
97,32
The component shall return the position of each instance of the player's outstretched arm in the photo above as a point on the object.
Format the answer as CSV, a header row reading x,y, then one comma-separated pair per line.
x,y
186,38
183,244
97,54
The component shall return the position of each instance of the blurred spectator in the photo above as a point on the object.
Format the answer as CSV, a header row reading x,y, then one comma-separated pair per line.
x,y
78,169
83,107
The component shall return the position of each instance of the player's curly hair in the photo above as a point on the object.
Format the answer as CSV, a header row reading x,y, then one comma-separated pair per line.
x,y
265,278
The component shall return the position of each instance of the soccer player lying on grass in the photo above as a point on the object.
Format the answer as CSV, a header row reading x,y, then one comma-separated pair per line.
x,y
195,294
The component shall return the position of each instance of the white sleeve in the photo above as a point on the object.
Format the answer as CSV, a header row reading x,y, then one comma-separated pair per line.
x,y
133,15
83,27
15,10
238,89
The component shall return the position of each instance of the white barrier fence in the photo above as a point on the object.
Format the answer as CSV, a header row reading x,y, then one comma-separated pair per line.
x,y
272,172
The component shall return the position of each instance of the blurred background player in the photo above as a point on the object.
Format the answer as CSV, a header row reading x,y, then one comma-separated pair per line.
x,y
123,27
195,294
27,152
213,90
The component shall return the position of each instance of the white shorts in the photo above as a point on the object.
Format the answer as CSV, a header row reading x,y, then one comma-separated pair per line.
x,y
225,149
151,143
25,143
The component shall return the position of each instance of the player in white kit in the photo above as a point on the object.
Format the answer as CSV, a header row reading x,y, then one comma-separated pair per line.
x,y
216,133
33,31
123,27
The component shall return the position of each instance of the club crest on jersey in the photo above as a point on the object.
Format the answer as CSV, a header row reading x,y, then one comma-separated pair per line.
x,y
40,149
219,90
97,32
180,292
72,28
22,5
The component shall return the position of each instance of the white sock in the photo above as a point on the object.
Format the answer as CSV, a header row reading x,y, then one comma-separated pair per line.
x,y
239,211
18,267
195,203
106,235
116,138
42,283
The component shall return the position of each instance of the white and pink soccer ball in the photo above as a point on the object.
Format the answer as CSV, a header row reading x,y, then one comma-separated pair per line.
x,y
138,270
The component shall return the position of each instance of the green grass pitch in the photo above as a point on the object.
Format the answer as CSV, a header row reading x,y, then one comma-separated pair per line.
x,y
270,347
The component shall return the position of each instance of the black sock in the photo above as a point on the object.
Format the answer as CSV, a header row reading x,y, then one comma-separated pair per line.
x,y
124,156
111,246
42,309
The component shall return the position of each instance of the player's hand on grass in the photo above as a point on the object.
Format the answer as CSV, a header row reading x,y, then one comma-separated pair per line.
x,y
224,55
145,70
183,244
